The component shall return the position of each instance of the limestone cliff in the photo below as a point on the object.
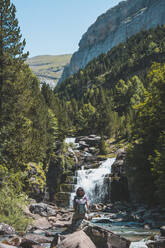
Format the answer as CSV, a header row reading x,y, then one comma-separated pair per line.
x,y
114,27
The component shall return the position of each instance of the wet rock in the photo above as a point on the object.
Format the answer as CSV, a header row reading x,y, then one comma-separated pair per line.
x,y
104,238
162,231
121,153
50,234
42,209
91,140
42,223
105,221
96,207
110,208
61,224
15,241
147,227
34,239
90,159
93,165
6,246
93,150
6,229
82,145
159,243
76,240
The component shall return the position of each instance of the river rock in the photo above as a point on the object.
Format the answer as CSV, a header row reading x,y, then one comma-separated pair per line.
x,y
34,239
15,241
162,231
105,221
97,207
82,145
61,224
159,243
110,209
42,209
104,238
91,140
76,240
6,229
6,246
93,150
42,223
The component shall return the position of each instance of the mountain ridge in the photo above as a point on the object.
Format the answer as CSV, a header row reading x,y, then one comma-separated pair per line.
x,y
114,27
49,68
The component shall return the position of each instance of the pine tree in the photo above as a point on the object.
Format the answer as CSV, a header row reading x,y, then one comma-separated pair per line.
x,y
11,45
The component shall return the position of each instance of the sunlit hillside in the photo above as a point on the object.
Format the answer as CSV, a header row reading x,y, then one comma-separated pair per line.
x,y
49,67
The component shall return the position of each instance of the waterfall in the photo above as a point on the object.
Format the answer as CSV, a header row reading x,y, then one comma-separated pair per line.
x,y
93,182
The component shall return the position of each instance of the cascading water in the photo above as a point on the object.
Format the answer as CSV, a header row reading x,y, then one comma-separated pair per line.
x,y
93,181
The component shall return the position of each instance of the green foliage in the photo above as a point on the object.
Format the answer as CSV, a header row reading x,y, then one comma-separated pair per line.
x,y
149,132
28,123
86,116
11,208
102,146
35,178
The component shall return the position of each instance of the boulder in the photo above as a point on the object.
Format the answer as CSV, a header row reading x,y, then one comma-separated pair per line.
x,y
15,241
82,145
6,246
162,231
159,243
92,150
42,209
75,240
42,223
34,241
6,229
91,140
121,153
104,238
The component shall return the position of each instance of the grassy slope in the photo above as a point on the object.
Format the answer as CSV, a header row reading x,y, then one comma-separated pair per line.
x,y
49,67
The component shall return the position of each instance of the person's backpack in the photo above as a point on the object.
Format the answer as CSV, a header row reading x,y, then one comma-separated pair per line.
x,y
81,205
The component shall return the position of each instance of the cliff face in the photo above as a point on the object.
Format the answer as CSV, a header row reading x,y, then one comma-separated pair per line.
x,y
114,27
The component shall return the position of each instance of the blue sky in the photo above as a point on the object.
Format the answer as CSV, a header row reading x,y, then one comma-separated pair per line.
x,y
56,26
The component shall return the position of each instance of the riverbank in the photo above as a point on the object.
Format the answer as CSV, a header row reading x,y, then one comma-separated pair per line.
x,y
50,220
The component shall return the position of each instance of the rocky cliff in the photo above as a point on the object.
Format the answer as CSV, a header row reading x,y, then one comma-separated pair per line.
x,y
114,27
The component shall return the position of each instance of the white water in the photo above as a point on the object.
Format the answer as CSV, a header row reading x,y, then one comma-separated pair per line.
x,y
139,244
70,140
92,181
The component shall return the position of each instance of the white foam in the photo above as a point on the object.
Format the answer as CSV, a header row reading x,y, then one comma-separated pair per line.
x,y
92,181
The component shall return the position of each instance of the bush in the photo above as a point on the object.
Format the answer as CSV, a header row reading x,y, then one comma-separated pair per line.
x,y
11,208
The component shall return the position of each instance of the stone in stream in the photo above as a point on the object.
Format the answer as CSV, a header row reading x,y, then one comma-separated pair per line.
x,y
42,223
27,241
40,239
6,246
42,209
6,229
104,238
75,240
162,231
159,243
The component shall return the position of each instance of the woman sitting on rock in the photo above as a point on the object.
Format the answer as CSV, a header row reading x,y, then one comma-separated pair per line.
x,y
80,205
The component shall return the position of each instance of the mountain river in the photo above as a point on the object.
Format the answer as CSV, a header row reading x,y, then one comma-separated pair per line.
x,y
96,187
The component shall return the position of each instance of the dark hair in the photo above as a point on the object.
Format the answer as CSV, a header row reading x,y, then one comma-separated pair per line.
x,y
80,190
